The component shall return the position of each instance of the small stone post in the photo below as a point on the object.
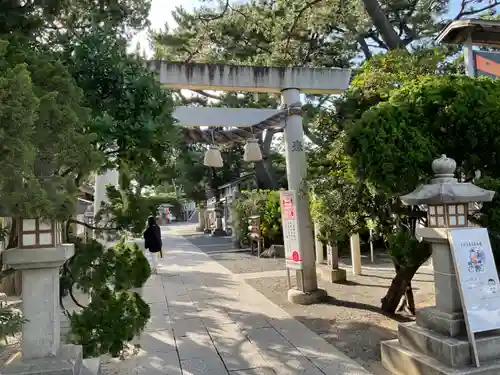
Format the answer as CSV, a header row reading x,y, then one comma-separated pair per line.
x,y
328,269
355,254
336,274
318,245
201,217
438,339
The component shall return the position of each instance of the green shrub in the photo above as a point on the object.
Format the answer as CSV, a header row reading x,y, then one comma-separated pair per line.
x,y
110,321
130,267
271,227
265,204
115,314
406,251
11,321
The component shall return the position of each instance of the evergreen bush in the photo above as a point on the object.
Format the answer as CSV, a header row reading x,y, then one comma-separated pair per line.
x,y
115,314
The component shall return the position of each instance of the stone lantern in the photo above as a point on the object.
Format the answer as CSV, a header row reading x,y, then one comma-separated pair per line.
x,y
39,256
38,233
437,343
446,198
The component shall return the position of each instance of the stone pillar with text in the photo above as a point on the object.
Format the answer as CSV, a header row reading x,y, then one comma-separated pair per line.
x,y
307,291
39,256
437,343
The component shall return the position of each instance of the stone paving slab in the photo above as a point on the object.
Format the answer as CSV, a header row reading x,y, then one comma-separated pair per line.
x,y
254,371
204,320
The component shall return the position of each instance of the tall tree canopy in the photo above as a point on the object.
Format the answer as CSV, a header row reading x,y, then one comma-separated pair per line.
x,y
75,102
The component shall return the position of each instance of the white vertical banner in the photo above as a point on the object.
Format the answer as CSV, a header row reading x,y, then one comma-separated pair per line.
x,y
293,252
477,277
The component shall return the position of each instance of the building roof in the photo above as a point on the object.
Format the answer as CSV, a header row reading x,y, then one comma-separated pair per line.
x,y
482,32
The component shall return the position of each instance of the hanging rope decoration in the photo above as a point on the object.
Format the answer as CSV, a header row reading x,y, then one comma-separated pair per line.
x,y
241,135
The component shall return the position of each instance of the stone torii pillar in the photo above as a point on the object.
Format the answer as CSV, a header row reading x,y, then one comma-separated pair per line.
x,y
296,171
290,82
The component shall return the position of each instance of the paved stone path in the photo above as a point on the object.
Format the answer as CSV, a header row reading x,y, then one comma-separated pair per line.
x,y
205,321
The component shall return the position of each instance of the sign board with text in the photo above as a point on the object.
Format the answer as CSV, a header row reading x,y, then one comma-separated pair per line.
x,y
293,254
486,64
477,278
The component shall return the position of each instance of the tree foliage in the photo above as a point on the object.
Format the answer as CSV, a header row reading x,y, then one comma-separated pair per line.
x,y
134,127
324,33
266,205
115,314
74,102
44,133
129,209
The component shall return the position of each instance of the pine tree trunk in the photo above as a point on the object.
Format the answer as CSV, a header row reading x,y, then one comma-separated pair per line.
x,y
384,27
399,287
264,170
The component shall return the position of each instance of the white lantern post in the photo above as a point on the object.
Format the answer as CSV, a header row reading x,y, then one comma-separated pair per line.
x,y
39,255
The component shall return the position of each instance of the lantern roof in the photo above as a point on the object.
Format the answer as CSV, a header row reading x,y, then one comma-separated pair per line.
x,y
445,188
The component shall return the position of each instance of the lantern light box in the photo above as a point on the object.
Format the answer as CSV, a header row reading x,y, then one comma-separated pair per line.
x,y
38,233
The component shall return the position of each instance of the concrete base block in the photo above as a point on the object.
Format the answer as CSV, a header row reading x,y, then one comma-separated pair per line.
x,y
451,325
451,351
91,366
326,272
68,362
400,360
300,298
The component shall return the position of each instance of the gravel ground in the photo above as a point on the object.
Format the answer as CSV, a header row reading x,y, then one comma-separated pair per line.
x,y
350,319
248,263
222,250
7,350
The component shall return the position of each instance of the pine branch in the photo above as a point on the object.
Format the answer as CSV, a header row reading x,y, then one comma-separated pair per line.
x,y
213,17
297,18
87,225
463,12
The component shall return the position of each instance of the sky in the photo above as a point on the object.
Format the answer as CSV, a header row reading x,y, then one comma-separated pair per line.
x,y
161,12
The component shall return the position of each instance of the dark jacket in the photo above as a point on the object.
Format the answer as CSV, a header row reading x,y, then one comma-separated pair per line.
x,y
152,238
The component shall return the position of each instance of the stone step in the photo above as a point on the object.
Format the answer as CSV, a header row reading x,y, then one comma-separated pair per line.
x,y
403,361
68,362
91,366
451,325
452,351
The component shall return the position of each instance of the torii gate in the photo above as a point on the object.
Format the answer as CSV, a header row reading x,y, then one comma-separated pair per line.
x,y
290,82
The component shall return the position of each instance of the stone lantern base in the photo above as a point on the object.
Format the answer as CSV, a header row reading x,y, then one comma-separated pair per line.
x,y
69,361
42,352
420,350
437,343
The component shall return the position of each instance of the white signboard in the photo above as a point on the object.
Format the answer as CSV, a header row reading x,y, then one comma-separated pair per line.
x,y
293,257
477,278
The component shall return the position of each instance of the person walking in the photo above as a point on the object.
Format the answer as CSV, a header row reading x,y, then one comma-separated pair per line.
x,y
152,242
